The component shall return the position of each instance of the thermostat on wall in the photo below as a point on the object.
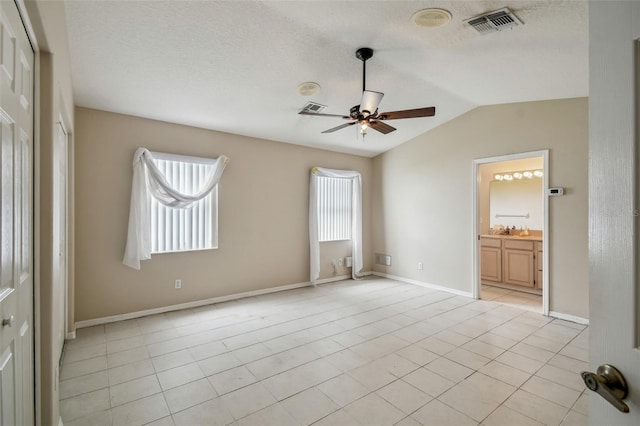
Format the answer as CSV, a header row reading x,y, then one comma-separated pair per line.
x,y
553,192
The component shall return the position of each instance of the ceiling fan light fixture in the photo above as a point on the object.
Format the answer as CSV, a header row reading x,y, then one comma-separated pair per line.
x,y
363,129
308,88
431,17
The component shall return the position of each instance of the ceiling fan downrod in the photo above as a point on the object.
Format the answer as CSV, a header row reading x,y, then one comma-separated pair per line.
x,y
364,53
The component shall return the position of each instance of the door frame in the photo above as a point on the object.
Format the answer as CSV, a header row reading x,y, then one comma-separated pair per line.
x,y
475,219
66,207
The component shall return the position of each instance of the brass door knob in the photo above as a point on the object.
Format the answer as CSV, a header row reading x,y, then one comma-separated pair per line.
x,y
610,384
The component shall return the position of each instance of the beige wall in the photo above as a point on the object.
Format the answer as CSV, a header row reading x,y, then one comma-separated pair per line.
x,y
263,216
422,204
55,103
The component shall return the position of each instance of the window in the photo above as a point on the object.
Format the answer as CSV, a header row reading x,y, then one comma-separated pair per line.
x,y
334,209
184,229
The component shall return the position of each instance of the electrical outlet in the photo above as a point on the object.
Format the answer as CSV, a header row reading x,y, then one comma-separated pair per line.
x,y
420,266
178,284
340,261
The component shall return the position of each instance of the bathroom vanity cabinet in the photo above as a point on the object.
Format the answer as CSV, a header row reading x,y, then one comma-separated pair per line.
x,y
512,262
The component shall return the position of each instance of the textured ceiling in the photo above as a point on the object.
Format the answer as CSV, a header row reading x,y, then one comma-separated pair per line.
x,y
234,66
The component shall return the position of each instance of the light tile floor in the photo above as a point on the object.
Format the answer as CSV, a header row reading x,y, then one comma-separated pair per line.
x,y
369,352
520,299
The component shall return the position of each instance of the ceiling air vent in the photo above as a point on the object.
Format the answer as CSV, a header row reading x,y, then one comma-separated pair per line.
x,y
497,20
313,107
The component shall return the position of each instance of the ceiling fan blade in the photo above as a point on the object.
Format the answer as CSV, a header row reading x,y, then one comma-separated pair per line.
x,y
407,113
381,127
342,126
324,115
370,101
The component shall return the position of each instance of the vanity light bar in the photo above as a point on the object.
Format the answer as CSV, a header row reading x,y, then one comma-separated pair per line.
x,y
526,174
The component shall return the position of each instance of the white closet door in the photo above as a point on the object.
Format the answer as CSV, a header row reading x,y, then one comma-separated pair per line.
x,y
16,220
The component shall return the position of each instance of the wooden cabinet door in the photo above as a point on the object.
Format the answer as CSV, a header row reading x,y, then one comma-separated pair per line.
x,y
518,267
491,264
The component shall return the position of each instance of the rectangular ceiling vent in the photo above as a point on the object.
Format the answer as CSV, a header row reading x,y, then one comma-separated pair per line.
x,y
491,22
313,107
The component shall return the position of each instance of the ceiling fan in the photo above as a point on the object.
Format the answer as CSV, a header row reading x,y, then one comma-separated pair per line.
x,y
366,114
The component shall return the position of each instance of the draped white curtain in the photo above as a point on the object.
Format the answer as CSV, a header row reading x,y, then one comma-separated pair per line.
x,y
356,212
148,181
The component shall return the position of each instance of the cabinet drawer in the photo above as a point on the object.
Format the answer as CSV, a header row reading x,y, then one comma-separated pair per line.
x,y
518,244
490,242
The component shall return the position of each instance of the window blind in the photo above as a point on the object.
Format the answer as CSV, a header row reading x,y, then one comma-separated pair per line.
x,y
334,209
184,229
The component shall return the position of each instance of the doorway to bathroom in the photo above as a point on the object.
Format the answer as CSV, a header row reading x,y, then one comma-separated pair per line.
x,y
510,220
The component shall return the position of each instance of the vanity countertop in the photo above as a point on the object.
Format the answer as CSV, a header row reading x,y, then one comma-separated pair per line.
x,y
514,237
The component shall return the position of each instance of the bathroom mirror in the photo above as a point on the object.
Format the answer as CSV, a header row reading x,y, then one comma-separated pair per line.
x,y
517,203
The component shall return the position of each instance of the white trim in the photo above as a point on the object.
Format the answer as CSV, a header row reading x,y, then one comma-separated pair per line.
x,y
475,251
70,335
66,155
567,317
475,255
423,284
333,279
60,421
546,232
204,302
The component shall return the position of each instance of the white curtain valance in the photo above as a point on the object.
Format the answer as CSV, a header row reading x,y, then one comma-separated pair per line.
x,y
148,181
356,211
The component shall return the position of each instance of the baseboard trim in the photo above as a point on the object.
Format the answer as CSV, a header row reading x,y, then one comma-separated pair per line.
x,y
204,302
567,317
423,284
70,335
333,279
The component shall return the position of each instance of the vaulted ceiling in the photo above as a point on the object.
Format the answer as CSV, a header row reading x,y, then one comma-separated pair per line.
x,y
234,66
